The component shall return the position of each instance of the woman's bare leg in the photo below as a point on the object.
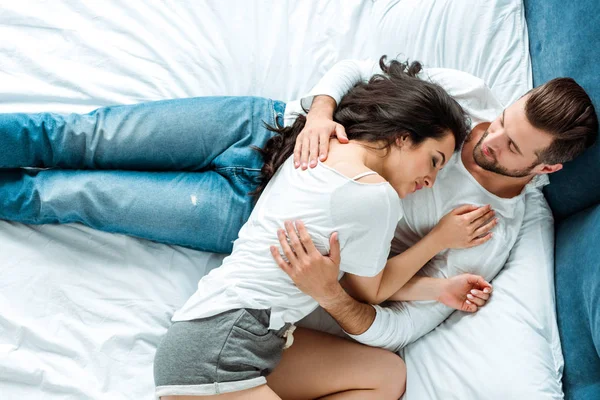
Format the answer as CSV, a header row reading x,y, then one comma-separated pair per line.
x,y
323,366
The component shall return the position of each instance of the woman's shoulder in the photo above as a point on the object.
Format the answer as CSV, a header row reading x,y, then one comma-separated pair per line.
x,y
368,202
357,172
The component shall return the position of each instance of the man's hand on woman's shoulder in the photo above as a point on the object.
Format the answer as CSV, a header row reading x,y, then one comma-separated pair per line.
x,y
313,142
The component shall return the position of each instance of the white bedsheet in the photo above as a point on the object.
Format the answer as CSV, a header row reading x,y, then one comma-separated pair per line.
x,y
82,311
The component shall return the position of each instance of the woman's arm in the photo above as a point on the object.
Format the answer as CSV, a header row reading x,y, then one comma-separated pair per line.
x,y
462,292
397,272
420,288
463,227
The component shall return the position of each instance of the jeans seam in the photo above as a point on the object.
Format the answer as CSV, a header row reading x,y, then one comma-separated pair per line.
x,y
236,169
273,112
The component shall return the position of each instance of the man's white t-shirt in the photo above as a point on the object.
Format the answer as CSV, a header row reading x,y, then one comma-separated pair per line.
x,y
364,215
400,323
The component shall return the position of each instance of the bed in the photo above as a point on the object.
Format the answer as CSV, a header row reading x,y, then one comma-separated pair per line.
x,y
82,311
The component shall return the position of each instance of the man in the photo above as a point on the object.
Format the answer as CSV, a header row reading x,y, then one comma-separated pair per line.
x,y
504,163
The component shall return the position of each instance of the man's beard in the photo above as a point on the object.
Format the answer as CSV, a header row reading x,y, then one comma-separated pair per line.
x,y
493,166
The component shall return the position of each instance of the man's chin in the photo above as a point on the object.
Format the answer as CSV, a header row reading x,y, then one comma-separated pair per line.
x,y
483,162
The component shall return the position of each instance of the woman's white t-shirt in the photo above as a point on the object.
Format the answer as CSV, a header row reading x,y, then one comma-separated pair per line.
x,y
365,216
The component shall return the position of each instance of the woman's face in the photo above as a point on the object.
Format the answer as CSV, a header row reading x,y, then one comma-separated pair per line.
x,y
409,168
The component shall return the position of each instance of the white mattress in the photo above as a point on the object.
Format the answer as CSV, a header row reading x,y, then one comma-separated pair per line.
x,y
82,311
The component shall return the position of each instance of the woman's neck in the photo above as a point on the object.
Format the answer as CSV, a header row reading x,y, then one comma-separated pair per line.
x,y
357,152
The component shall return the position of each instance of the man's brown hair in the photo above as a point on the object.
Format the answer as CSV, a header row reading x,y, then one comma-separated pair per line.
x,y
563,109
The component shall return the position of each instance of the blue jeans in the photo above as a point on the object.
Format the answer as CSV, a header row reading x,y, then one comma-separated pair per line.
x,y
174,171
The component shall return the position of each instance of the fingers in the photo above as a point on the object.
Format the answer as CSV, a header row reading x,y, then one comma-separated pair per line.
x,y
480,294
340,132
298,150
480,283
311,146
480,240
305,238
323,146
469,307
484,287
478,213
483,219
476,300
464,209
285,266
305,152
314,151
294,240
287,250
482,230
334,248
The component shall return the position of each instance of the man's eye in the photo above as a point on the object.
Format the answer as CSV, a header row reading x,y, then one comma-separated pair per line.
x,y
434,162
510,143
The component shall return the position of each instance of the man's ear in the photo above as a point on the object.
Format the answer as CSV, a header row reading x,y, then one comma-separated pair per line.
x,y
550,168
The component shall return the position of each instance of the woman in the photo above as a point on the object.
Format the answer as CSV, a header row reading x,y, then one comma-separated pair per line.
x,y
231,333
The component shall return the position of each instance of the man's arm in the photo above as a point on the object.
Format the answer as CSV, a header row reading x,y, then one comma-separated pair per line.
x,y
317,276
354,317
340,79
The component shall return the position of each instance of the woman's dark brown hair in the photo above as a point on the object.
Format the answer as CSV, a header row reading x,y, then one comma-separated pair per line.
x,y
391,105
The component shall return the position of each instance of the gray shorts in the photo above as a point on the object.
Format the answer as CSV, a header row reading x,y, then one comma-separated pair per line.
x,y
224,353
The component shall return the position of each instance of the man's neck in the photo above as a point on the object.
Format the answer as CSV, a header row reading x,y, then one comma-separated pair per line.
x,y
500,185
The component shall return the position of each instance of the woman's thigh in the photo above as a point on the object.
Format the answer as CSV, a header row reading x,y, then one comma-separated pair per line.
x,y
319,364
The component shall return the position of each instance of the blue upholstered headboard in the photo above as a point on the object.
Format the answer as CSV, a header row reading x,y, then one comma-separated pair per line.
x,y
564,40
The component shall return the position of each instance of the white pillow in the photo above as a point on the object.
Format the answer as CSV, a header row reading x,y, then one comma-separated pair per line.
x,y
487,39
510,348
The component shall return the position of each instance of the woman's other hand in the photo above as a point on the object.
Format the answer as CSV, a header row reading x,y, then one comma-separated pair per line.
x,y
465,292
465,226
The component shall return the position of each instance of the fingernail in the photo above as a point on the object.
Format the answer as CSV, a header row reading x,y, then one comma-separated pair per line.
x,y
486,290
304,165
468,302
313,163
473,291
322,157
470,297
296,164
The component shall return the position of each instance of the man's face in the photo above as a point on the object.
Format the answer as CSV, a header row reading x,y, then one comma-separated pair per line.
x,y
509,145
